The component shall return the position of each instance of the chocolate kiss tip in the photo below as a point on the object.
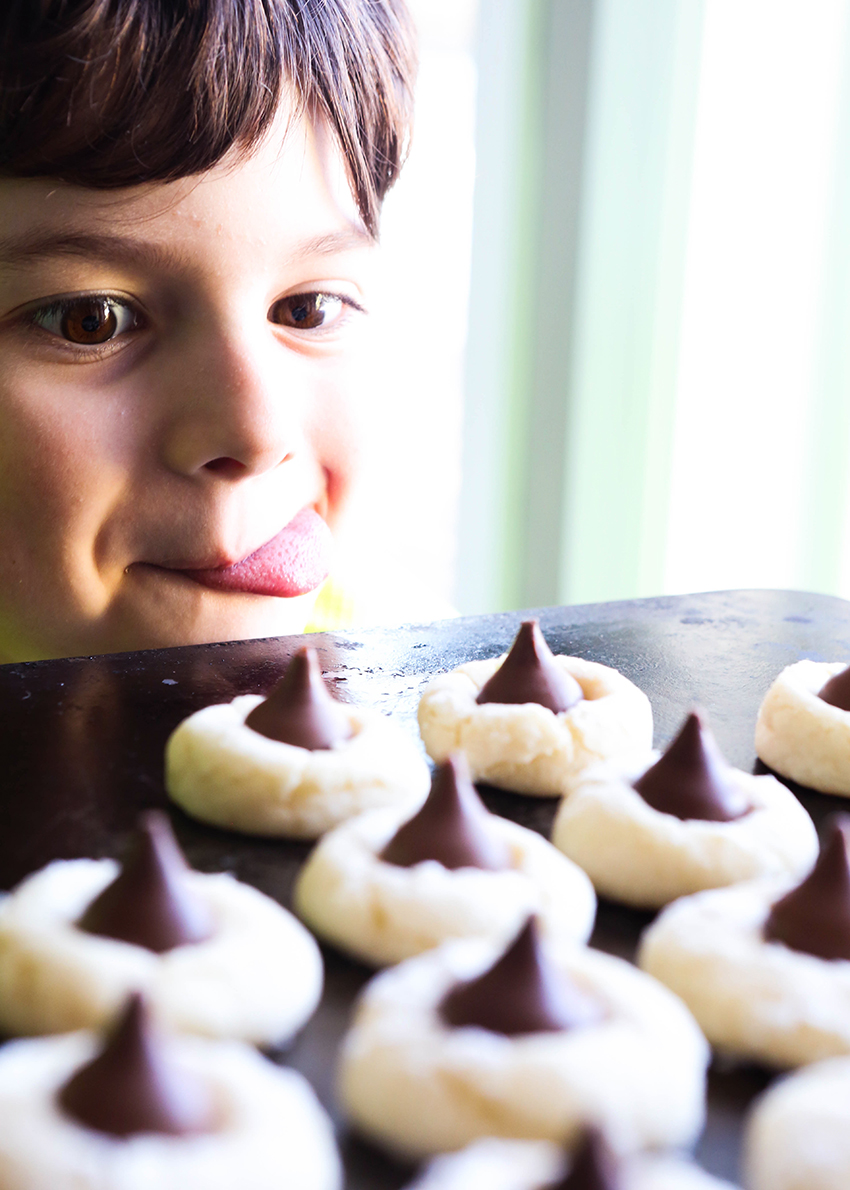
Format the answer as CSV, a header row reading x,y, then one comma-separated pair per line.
x,y
452,827
150,903
691,780
814,917
530,673
131,1086
837,690
520,993
300,710
593,1167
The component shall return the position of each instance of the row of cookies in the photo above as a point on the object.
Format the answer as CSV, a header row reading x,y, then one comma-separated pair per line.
x,y
298,762
527,721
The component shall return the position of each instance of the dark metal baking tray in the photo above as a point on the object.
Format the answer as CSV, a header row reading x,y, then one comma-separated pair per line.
x,y
81,742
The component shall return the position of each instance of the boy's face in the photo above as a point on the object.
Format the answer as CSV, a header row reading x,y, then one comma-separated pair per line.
x,y
178,366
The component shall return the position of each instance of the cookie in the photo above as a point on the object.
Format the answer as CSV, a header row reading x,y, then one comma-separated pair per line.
x,y
494,1164
135,1109
538,1043
384,889
686,823
213,955
802,735
764,967
528,746
798,1135
294,764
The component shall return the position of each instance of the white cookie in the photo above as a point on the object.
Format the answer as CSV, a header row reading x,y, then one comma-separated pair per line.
x,y
798,1135
383,913
273,1131
223,772
642,856
258,978
536,1164
418,1087
753,998
801,736
526,747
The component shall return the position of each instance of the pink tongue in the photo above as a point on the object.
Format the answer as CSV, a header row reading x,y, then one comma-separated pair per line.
x,y
292,563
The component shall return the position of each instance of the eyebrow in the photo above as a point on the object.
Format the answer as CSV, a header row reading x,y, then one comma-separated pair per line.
x,y
16,251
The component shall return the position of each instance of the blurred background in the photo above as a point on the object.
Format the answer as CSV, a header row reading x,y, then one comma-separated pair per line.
x,y
618,271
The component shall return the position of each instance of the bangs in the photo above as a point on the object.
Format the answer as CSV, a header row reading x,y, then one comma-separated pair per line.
x,y
112,93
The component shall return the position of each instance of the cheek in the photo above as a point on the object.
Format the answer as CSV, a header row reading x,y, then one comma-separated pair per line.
x,y
59,459
337,430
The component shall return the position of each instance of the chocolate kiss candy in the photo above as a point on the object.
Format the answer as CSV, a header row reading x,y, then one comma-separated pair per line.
x,y
814,917
837,690
529,673
520,993
149,902
132,1086
691,779
300,709
452,827
594,1167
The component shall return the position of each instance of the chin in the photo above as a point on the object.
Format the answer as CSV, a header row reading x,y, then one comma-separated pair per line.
x,y
151,613
207,618
259,616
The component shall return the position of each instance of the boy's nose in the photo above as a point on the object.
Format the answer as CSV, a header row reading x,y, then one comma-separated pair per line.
x,y
235,415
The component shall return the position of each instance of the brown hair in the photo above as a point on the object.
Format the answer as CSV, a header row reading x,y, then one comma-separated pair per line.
x,y
109,93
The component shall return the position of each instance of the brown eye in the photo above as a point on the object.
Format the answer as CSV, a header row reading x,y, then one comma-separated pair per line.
x,y
91,321
86,320
307,311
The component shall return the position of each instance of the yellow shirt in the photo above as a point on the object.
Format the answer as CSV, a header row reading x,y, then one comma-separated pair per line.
x,y
334,608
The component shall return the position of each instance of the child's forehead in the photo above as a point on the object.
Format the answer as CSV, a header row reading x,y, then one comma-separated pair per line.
x,y
291,190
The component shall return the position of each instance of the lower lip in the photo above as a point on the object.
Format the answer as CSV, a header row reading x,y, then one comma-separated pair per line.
x,y
294,562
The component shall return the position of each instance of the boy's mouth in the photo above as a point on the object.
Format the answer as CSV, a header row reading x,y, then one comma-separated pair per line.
x,y
294,562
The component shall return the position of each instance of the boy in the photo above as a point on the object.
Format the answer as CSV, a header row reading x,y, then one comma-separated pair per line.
x,y
189,197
